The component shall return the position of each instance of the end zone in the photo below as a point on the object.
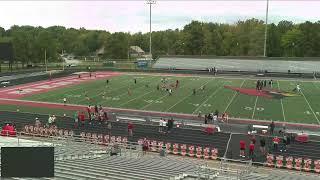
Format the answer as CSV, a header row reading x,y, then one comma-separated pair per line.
x,y
19,91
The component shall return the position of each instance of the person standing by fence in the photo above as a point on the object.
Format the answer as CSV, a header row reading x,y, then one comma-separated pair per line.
x,y
130,128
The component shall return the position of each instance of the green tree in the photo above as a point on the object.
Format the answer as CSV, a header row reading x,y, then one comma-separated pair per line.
x,y
291,41
194,38
2,32
273,41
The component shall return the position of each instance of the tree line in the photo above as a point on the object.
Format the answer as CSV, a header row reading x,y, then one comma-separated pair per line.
x,y
244,38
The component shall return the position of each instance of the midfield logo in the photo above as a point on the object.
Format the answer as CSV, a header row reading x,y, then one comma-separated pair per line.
x,y
267,93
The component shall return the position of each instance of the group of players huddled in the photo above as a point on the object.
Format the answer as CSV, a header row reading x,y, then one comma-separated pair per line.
x,y
260,84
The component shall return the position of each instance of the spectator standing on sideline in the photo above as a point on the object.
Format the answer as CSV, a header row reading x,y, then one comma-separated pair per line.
x,y
64,101
272,126
82,118
37,123
242,148
275,141
251,150
89,112
170,124
262,146
253,139
161,125
109,127
130,128
76,119
50,120
205,119
285,142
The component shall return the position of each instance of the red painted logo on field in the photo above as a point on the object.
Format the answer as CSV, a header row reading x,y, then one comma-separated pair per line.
x,y
267,93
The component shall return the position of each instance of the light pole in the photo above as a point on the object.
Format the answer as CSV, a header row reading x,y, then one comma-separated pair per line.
x,y
150,2
292,49
45,59
266,31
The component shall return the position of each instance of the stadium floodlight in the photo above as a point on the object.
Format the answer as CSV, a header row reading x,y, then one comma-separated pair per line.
x,y
266,31
150,2
45,59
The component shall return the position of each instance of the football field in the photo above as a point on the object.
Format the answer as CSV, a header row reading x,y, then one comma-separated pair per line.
x,y
236,96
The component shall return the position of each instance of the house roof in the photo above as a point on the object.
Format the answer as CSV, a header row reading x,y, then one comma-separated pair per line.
x,y
136,49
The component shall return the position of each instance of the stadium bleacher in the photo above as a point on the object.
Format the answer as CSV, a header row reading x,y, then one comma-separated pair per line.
x,y
237,64
179,135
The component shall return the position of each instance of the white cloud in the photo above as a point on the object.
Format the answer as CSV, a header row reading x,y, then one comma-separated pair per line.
x,y
133,16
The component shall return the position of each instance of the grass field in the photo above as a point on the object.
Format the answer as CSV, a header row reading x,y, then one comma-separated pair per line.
x,y
303,108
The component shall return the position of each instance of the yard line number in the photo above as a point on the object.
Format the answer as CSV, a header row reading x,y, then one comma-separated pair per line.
x,y
153,101
251,108
204,105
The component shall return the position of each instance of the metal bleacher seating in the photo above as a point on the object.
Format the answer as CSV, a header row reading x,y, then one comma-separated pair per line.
x,y
178,135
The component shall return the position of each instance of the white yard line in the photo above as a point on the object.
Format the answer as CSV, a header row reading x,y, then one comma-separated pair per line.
x,y
136,98
215,92
310,107
254,108
186,97
284,117
121,87
234,95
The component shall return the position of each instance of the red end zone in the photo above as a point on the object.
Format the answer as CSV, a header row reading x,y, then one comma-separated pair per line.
x,y
19,91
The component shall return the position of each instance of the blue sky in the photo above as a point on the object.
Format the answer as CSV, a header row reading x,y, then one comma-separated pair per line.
x,y
133,16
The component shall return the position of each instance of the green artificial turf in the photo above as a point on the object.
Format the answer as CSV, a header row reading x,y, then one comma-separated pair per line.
x,y
304,108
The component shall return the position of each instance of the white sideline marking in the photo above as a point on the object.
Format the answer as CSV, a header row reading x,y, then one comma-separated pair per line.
x,y
310,107
284,117
254,108
214,93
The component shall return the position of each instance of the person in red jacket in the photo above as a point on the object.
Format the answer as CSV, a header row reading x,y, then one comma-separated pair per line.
x,y
242,148
82,118
130,128
276,142
251,149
